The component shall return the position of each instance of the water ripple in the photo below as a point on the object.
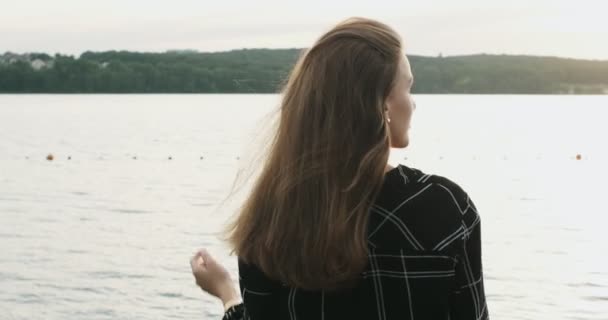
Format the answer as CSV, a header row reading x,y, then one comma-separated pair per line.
x,y
170,294
585,284
116,275
131,211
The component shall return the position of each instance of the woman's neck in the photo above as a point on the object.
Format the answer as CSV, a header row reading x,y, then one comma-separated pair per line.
x,y
388,168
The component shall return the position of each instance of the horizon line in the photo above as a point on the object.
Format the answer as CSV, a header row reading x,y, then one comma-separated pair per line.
x,y
189,50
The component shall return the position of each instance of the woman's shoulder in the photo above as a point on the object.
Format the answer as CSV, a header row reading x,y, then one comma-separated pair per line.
x,y
406,186
423,208
415,177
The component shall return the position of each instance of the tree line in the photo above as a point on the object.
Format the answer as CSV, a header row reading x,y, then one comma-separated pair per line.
x,y
265,70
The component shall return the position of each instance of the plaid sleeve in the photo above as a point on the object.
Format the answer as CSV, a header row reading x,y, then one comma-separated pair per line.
x,y
236,312
468,300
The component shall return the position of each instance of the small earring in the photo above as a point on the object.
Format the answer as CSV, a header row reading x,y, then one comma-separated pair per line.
x,y
388,119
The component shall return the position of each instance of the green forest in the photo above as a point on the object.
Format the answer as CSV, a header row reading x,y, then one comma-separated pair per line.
x,y
264,71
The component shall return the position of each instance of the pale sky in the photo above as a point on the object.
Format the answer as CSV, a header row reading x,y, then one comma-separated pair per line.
x,y
569,28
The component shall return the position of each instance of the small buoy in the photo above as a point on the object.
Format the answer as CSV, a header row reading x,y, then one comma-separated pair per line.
x,y
170,158
50,157
201,158
134,158
579,157
69,157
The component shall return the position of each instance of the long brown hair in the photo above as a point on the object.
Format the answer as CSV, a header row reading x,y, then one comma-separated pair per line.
x,y
305,221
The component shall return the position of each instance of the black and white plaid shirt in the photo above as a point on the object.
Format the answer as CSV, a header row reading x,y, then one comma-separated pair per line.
x,y
424,262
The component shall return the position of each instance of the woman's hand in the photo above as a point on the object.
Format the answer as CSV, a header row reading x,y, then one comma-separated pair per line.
x,y
213,278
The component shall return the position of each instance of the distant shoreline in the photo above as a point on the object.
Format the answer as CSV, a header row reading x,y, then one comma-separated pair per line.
x,y
278,93
263,71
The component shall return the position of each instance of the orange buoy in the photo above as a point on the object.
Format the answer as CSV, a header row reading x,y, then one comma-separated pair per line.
x,y
50,157
579,157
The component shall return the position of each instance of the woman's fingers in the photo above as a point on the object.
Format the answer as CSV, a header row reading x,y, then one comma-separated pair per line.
x,y
211,276
197,262
204,254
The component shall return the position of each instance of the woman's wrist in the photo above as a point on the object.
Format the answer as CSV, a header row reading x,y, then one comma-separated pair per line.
x,y
231,303
229,296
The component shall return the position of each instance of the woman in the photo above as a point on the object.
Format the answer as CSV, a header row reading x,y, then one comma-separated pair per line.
x,y
330,230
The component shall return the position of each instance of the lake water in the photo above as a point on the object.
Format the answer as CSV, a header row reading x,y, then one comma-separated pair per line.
x,y
106,229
